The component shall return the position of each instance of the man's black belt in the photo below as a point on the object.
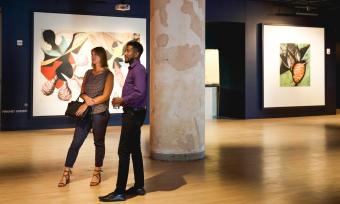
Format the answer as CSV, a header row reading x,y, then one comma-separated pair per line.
x,y
125,109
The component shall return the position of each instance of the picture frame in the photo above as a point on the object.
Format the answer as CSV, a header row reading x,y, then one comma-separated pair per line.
x,y
62,55
293,60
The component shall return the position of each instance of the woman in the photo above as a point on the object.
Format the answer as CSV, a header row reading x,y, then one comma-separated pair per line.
x,y
96,90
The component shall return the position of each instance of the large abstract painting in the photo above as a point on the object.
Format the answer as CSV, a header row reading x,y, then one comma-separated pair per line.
x,y
62,55
293,66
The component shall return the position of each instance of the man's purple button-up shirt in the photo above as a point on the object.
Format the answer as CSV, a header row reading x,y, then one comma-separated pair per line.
x,y
134,92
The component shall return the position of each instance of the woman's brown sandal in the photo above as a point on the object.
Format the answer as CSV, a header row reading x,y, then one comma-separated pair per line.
x,y
65,179
96,175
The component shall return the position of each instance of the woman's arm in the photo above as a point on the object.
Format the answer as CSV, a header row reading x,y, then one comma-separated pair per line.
x,y
88,100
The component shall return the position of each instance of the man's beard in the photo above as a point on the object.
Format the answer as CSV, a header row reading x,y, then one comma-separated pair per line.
x,y
129,60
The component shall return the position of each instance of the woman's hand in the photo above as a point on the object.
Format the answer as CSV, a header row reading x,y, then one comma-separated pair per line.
x,y
89,101
81,109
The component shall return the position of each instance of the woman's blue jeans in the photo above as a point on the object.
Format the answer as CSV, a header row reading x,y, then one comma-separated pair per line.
x,y
98,122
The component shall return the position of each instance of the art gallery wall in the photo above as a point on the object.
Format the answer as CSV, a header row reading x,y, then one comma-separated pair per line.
x,y
338,70
335,15
17,61
338,62
0,57
17,17
263,13
254,13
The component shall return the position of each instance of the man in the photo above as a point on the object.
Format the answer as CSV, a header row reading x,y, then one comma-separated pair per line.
x,y
133,100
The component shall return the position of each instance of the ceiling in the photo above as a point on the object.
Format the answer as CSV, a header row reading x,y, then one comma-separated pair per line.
x,y
309,6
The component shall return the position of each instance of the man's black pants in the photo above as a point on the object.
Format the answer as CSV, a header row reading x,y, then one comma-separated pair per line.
x,y
129,143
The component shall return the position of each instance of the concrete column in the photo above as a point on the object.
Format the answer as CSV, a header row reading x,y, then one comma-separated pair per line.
x,y
177,48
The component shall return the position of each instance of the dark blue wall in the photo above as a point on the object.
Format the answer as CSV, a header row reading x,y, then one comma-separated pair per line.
x,y
254,13
258,13
337,16
338,67
17,61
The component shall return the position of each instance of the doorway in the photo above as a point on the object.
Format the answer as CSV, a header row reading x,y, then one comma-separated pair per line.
x,y
229,39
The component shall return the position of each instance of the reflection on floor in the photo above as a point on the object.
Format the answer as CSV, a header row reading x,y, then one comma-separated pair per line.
x,y
269,161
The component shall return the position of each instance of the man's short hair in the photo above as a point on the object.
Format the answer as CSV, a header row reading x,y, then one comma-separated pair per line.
x,y
136,45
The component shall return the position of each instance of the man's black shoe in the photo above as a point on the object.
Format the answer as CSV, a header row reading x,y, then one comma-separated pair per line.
x,y
135,191
110,194
111,197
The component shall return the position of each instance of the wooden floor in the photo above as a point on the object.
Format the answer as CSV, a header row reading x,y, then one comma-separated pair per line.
x,y
269,161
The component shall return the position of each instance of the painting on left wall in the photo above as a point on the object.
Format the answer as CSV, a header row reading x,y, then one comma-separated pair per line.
x,y
62,55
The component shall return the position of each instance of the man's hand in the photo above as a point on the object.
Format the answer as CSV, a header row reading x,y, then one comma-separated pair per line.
x,y
117,101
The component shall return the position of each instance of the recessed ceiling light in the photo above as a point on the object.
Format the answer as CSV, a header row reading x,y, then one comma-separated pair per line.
x,y
122,6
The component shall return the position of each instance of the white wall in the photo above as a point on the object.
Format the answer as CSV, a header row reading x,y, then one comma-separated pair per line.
x,y
210,102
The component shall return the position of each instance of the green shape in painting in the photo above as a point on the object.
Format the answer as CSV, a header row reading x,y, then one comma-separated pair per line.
x,y
295,65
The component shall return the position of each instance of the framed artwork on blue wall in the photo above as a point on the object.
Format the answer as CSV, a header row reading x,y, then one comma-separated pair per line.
x,y
62,55
293,66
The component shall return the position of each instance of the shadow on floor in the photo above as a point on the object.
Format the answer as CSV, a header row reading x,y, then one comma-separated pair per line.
x,y
241,163
332,137
166,181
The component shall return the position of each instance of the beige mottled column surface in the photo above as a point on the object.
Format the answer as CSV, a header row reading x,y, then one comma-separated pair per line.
x,y
177,79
